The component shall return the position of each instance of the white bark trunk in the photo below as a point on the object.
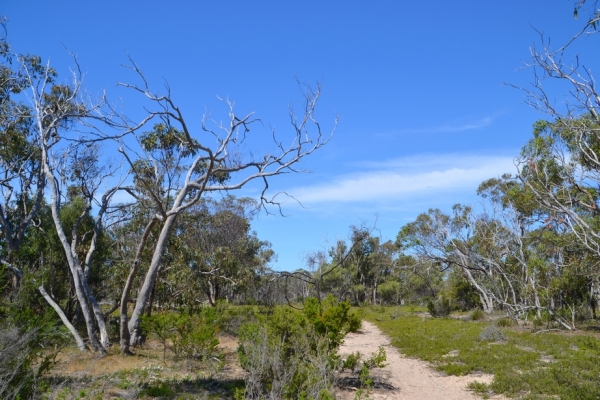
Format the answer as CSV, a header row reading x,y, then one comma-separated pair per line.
x,y
144,295
488,305
124,330
74,265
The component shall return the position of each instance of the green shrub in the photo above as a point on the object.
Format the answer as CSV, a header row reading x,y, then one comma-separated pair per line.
x,y
331,319
352,361
462,294
292,354
186,336
160,326
196,335
21,363
29,341
538,323
480,388
477,315
160,390
233,317
505,322
440,308
389,292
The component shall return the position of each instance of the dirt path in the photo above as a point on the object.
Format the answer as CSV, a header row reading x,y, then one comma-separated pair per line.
x,y
410,378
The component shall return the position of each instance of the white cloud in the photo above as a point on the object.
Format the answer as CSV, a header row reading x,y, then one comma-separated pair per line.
x,y
403,178
455,127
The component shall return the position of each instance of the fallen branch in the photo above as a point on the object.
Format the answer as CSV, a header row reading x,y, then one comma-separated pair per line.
x,y
80,344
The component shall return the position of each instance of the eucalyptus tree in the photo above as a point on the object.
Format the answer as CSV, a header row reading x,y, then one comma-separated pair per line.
x,y
23,215
174,166
514,255
560,165
419,279
72,169
212,255
477,247
29,131
219,247
353,270
442,239
22,180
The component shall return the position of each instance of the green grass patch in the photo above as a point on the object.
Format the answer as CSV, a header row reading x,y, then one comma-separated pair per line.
x,y
525,364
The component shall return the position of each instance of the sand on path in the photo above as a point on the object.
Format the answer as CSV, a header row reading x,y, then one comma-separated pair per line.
x,y
408,378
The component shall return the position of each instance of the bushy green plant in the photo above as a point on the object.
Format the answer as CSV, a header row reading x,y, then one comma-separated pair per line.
x,y
160,390
462,294
477,315
505,322
352,361
377,360
331,319
389,292
292,354
233,317
479,388
29,341
440,308
196,335
161,326
188,336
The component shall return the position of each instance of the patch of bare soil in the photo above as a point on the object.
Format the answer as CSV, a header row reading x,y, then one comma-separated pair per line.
x,y
406,378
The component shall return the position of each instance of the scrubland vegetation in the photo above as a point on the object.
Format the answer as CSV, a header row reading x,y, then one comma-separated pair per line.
x,y
510,288
527,360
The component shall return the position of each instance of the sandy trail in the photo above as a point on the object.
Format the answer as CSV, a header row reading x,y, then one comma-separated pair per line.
x,y
410,378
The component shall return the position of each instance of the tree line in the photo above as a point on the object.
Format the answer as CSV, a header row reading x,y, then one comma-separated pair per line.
x,y
532,249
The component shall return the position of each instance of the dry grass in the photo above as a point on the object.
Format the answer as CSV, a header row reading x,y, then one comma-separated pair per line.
x,y
79,375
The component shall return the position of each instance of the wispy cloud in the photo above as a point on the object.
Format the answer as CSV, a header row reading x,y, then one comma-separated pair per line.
x,y
454,127
413,177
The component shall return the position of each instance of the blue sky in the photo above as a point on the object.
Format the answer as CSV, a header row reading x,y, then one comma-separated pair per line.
x,y
424,115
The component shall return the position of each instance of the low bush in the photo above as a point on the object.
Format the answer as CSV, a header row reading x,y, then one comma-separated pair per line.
x,y
187,336
29,341
159,390
292,354
232,318
480,388
477,315
16,376
440,308
504,322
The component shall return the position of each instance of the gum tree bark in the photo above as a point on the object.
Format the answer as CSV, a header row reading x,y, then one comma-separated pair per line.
x,y
124,331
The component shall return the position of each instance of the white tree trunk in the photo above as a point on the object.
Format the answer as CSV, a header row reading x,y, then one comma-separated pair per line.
x,y
124,328
74,265
135,330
